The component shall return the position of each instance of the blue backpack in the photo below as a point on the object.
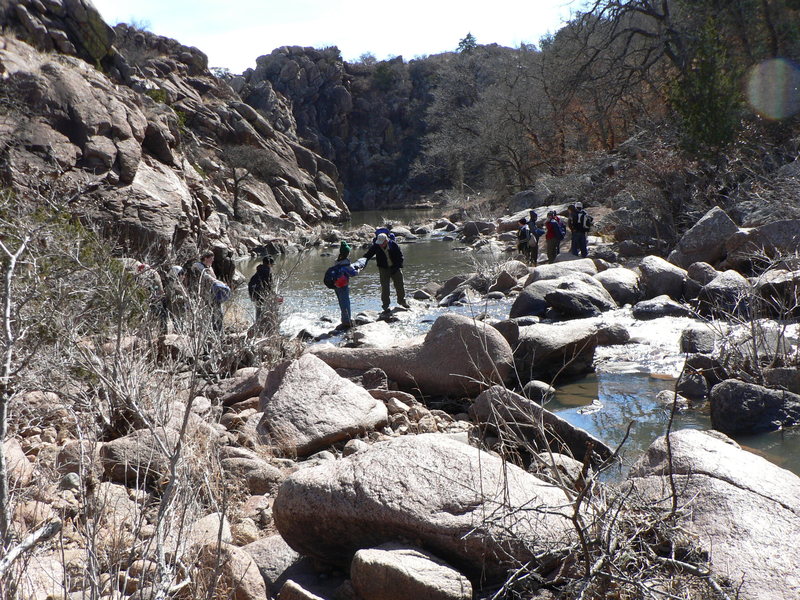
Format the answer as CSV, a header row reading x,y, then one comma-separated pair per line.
x,y
331,275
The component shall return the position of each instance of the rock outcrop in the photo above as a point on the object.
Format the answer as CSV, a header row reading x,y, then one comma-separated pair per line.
x,y
705,240
458,355
307,407
148,145
743,510
425,487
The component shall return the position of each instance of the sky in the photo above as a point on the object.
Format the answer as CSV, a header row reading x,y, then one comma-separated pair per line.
x,y
233,33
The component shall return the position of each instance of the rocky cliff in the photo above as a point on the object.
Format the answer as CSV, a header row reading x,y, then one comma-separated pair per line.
x,y
367,118
164,153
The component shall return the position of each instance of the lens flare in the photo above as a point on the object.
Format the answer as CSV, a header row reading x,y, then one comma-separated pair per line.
x,y
773,88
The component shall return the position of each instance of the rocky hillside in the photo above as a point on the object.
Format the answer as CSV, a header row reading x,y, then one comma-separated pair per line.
x,y
369,119
159,150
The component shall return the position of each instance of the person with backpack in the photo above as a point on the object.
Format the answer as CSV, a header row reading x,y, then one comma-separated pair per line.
x,y
338,277
389,257
261,292
580,224
555,232
206,286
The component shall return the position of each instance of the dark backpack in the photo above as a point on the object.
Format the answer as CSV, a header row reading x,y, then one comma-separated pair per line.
x,y
562,229
331,275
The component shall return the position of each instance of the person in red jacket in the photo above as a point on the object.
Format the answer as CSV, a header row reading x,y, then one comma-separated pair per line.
x,y
555,233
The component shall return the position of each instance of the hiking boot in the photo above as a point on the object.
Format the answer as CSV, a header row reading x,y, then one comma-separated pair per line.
x,y
404,304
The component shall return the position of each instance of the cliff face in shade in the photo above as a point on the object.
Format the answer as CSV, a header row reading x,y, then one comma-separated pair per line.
x,y
368,119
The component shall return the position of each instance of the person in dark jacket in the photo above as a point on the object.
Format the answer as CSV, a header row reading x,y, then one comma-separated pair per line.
x,y
260,288
389,257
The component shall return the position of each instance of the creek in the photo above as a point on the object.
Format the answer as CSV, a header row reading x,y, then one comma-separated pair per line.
x,y
622,389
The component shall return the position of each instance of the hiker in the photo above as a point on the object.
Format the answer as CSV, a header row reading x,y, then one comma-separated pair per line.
x,y
572,226
389,257
579,224
340,274
176,296
526,242
209,288
553,236
259,288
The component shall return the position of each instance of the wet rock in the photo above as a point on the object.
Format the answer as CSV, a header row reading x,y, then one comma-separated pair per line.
x,y
692,385
426,487
622,284
538,391
744,510
740,408
705,240
707,366
668,397
308,407
398,572
518,420
660,306
658,278
458,355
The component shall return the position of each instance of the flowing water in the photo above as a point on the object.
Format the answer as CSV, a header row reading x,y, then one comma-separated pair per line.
x,y
622,389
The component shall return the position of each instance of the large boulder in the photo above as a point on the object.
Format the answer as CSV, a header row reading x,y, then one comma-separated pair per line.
x,y
729,293
576,299
140,457
307,407
546,350
459,355
658,277
622,284
741,509
521,422
563,269
774,239
738,407
660,306
429,488
532,301
705,240
398,572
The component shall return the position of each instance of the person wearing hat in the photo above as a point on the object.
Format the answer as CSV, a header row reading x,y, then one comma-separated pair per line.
x,y
579,228
345,270
389,257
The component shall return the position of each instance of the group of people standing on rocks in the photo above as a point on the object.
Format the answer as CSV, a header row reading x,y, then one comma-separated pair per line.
x,y
554,231
389,258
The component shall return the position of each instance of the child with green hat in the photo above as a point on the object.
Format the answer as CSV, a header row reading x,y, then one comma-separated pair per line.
x,y
344,270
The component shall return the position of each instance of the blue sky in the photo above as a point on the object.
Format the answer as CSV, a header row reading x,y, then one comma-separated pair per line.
x,y
234,33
